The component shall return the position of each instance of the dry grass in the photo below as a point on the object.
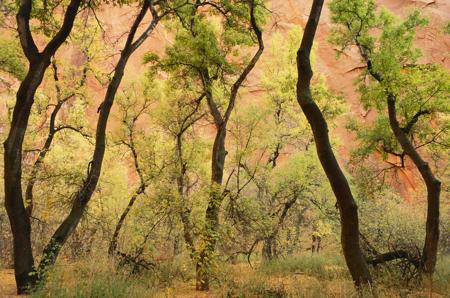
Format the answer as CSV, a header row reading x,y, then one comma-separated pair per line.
x,y
7,284
301,276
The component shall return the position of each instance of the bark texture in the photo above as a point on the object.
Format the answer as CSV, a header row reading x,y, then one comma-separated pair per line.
x,y
347,207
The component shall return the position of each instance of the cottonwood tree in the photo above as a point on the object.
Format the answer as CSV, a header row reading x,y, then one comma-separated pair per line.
x,y
410,98
206,53
131,111
84,194
26,274
38,62
180,111
346,203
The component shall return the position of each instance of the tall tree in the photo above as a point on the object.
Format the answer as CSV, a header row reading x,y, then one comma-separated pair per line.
x,y
131,111
347,206
406,94
38,62
84,194
219,154
26,275
209,55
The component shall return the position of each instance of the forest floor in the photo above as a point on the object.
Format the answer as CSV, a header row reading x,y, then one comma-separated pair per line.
x,y
301,276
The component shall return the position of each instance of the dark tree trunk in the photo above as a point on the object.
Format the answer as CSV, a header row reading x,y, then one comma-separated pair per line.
x,y
14,204
83,196
433,185
315,244
213,209
17,213
346,203
394,255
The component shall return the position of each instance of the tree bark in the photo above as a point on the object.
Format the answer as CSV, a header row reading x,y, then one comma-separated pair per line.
x,y
270,248
25,274
341,189
270,243
393,255
113,243
433,185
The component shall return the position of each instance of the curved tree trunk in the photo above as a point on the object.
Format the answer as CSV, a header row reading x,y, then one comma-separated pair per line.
x,y
433,185
113,243
270,243
341,189
140,190
14,204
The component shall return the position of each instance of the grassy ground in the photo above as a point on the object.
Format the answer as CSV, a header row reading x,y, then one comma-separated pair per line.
x,y
300,276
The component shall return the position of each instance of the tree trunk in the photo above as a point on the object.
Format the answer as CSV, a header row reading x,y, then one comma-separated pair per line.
x,y
341,189
213,209
270,248
270,243
18,216
25,274
113,243
218,157
433,191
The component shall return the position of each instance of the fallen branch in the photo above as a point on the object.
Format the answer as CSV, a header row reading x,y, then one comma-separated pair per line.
x,y
394,255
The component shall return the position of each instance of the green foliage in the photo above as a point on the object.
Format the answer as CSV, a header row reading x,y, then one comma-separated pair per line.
x,y
11,59
421,91
279,81
376,137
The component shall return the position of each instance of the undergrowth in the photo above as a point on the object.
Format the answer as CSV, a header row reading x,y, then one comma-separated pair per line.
x,y
305,275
